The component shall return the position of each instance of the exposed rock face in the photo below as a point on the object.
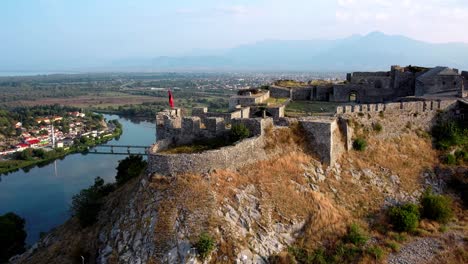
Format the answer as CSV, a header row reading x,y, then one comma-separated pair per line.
x,y
252,213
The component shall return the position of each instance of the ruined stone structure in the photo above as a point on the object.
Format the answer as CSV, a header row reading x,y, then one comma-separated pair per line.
x,y
328,137
379,87
422,93
248,98
172,129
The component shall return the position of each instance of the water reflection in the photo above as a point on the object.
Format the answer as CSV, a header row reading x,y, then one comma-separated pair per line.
x,y
42,194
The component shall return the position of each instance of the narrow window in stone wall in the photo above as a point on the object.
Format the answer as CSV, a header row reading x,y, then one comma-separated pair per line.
x,y
353,97
454,83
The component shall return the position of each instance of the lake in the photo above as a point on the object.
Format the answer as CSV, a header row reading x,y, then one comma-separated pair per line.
x,y
42,196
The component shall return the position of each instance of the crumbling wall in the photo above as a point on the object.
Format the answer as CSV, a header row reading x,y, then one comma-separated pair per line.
x,y
280,92
248,100
232,157
202,112
256,126
326,139
183,130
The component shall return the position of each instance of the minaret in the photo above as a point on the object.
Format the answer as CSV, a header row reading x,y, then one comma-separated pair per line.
x,y
53,136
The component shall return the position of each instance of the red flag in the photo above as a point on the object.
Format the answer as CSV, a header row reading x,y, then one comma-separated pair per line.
x,y
171,99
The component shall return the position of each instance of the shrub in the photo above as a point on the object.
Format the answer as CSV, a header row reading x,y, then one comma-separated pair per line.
x,y
12,236
400,237
376,252
302,255
450,159
205,245
356,235
238,132
404,217
436,207
129,168
461,155
450,133
346,254
377,127
359,144
87,204
394,246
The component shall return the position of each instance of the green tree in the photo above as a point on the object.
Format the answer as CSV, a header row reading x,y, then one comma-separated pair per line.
x,y
239,132
129,168
436,207
26,154
404,217
87,204
12,236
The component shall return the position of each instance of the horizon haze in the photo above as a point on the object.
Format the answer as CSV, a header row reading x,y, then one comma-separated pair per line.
x,y
88,36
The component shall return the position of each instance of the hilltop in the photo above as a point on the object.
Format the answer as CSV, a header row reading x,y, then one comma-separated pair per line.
x,y
285,207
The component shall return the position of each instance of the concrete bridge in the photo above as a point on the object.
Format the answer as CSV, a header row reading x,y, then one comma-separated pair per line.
x,y
120,150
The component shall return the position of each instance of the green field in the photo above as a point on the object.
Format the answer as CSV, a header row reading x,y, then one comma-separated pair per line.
x,y
276,101
301,108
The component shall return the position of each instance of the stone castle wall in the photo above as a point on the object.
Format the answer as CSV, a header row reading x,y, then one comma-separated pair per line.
x,y
248,100
328,139
395,117
280,92
202,112
370,74
230,157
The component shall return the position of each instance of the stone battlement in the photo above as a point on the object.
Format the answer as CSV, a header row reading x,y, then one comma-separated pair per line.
x,y
173,129
418,106
171,125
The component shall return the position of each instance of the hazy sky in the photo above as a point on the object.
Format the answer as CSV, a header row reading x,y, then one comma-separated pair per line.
x,y
61,30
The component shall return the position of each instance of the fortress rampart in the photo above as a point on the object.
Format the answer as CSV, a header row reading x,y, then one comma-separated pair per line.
x,y
417,106
172,130
395,117
380,87
328,138
231,157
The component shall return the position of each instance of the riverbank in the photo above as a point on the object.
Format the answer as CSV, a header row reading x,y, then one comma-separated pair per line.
x,y
9,166
145,116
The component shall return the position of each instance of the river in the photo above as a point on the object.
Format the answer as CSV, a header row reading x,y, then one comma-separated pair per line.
x,y
42,196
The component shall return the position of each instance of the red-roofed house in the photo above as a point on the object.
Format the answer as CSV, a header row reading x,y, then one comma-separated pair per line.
x,y
32,142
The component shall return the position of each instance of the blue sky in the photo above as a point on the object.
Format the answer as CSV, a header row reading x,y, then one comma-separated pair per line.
x,y
93,30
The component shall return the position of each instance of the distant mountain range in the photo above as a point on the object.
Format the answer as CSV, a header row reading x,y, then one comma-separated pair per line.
x,y
371,52
375,51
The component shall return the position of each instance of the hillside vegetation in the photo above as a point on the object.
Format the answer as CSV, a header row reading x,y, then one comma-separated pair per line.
x,y
289,209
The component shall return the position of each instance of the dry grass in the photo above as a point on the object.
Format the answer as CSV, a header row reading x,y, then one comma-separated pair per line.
x,y
188,201
277,182
454,249
408,156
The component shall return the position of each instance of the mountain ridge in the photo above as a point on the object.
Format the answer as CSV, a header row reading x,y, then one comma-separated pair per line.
x,y
374,51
